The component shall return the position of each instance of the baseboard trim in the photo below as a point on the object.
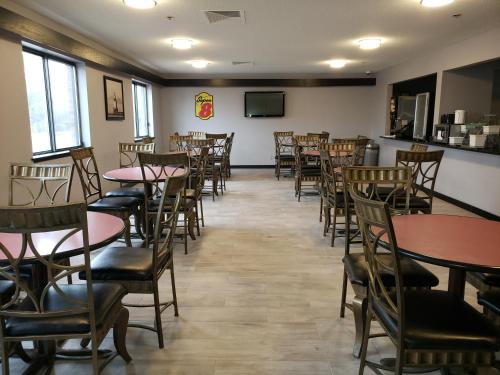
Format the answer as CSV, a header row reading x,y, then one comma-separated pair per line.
x,y
468,207
252,166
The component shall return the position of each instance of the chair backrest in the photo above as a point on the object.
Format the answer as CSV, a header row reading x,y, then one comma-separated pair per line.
x,y
331,179
196,145
166,219
323,136
147,139
63,223
283,142
229,142
197,134
375,224
86,166
360,151
128,153
418,147
179,142
219,143
199,163
390,185
39,184
156,168
425,167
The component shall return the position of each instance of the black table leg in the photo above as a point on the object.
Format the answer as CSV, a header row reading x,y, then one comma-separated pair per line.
x,y
456,282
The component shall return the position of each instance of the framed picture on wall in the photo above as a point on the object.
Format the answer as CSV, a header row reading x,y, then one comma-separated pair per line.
x,y
113,99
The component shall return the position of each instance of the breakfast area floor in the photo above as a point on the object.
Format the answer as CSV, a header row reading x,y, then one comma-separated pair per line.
x,y
259,293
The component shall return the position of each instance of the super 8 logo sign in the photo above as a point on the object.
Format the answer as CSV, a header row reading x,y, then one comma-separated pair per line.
x,y
204,106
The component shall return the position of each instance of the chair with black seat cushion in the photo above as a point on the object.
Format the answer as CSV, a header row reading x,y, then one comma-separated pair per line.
x,y
128,159
56,311
429,328
283,146
219,154
425,167
355,267
39,185
138,270
307,169
123,207
212,171
198,162
332,190
157,167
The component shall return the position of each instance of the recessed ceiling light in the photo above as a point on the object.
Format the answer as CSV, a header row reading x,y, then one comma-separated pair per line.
x,y
369,43
337,63
140,4
199,64
181,43
435,3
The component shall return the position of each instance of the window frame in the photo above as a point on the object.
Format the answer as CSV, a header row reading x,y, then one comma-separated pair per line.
x,y
134,99
58,152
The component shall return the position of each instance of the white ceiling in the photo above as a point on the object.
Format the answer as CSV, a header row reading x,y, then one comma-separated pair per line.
x,y
280,36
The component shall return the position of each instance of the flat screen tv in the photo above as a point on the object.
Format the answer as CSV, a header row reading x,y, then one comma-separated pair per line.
x,y
264,104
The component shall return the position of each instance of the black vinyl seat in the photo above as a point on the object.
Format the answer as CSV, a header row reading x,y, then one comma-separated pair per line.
x,y
414,275
106,298
490,300
114,204
7,290
135,192
123,263
490,279
439,320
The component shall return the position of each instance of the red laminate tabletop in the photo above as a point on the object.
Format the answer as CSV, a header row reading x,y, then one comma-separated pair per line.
x,y
103,229
134,174
451,241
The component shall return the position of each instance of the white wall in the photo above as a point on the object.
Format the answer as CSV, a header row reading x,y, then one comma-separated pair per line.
x,y
470,177
15,135
343,111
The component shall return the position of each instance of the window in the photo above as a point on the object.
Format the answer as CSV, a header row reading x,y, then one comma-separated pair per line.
x,y
53,103
141,109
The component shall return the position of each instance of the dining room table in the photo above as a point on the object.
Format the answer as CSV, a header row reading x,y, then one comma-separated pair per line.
x,y
460,243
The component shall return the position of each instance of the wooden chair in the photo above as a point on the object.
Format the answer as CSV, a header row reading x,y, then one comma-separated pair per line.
x,y
123,207
158,166
212,172
227,166
56,311
355,266
360,150
429,328
147,139
180,142
307,169
139,270
283,146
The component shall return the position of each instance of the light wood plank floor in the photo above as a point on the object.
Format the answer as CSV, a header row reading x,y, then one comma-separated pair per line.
x,y
258,293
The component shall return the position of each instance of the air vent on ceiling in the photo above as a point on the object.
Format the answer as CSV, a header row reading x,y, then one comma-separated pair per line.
x,y
214,16
242,63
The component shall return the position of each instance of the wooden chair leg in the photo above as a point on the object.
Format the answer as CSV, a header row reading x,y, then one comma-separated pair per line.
x,y
197,218
95,358
128,240
359,307
321,208
344,295
201,211
120,334
334,226
364,346
5,358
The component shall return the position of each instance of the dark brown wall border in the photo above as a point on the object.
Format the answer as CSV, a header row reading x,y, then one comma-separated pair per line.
x,y
320,82
19,26
32,31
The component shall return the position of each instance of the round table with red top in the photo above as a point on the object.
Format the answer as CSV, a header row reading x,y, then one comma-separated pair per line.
x,y
134,174
103,229
459,243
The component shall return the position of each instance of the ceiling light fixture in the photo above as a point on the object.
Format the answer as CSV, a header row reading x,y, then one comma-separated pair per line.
x,y
140,4
369,43
199,64
435,3
337,64
181,43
